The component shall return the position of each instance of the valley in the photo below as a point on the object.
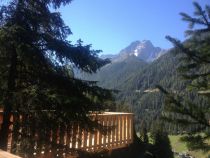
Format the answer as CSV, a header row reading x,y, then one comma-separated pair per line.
x,y
135,76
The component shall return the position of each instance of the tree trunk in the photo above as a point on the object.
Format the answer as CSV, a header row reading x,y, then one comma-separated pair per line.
x,y
8,101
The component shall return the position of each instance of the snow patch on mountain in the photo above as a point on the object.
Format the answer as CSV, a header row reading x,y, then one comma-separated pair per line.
x,y
143,50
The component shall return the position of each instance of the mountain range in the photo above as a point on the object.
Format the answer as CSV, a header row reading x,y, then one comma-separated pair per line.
x,y
143,50
125,65
135,72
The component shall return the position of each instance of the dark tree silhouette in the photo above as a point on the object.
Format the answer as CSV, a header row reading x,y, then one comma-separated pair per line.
x,y
37,85
195,69
143,133
161,143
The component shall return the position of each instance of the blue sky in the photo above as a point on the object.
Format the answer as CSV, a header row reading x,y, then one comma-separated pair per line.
x,y
111,25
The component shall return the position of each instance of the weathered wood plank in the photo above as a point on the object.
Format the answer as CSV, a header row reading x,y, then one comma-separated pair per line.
x,y
75,137
4,154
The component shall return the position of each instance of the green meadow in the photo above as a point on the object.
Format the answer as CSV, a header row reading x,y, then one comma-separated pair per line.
x,y
181,147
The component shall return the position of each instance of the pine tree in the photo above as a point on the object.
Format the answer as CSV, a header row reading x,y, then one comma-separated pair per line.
x,y
143,133
195,69
161,143
36,83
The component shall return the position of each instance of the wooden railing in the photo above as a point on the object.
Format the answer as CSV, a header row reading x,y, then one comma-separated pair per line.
x,y
4,154
119,135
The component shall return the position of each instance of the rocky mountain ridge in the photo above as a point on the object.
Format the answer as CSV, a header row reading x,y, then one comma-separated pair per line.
x,y
143,50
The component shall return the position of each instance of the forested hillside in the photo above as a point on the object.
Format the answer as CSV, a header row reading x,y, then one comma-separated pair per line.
x,y
140,90
136,81
117,74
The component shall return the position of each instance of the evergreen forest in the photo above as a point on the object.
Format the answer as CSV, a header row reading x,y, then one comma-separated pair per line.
x,y
51,88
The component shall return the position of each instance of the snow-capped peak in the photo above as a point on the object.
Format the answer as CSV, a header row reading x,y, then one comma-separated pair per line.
x,y
142,49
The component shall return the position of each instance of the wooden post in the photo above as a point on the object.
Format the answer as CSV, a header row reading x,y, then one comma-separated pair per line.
x,y
68,136
100,135
118,130
105,135
82,138
79,138
74,134
125,129
95,139
85,139
9,143
121,129
90,140
131,128
95,136
71,136
114,131
109,132
61,134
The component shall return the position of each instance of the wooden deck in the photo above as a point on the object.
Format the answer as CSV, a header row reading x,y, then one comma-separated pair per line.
x,y
120,134
4,154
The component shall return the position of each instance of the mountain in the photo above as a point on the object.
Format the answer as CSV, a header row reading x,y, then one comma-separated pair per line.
x,y
125,65
143,50
109,56
136,81
115,74
135,72
139,90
